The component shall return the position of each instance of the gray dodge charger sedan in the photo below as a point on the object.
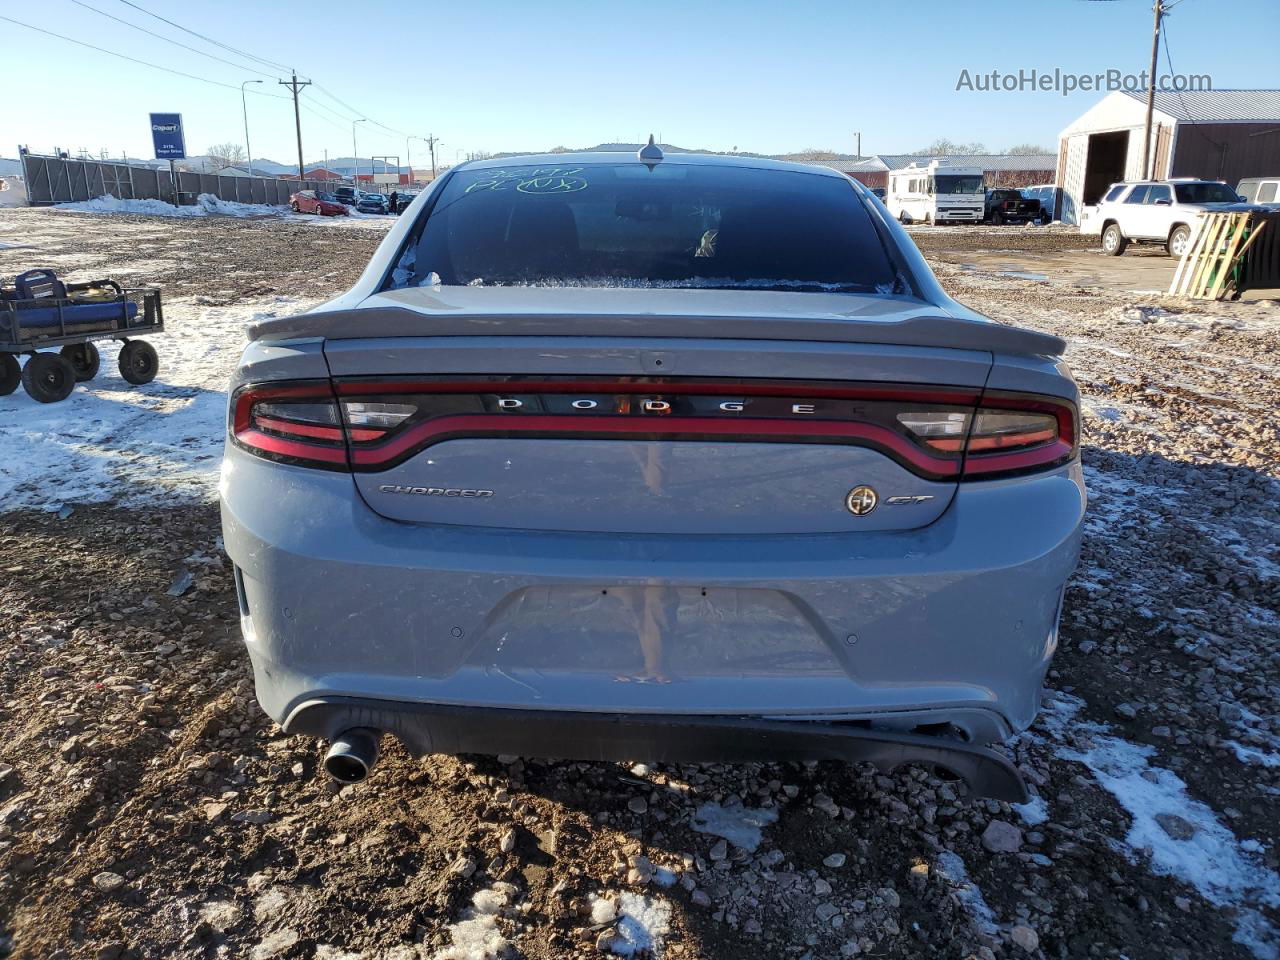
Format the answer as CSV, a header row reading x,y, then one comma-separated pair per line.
x,y
625,456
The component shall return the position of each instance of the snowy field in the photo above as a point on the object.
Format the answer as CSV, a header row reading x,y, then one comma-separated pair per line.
x,y
111,441
1155,765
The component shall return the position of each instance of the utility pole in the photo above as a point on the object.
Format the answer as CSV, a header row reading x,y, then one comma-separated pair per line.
x,y
858,134
432,140
295,87
1147,173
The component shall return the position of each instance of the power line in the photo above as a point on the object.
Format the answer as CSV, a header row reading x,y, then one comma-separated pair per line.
x,y
361,114
332,96
216,43
160,36
1168,61
144,63
329,111
339,122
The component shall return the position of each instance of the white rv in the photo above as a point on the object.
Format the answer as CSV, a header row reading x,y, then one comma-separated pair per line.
x,y
936,192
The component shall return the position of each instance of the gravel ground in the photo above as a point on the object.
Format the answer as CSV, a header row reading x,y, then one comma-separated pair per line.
x,y
149,809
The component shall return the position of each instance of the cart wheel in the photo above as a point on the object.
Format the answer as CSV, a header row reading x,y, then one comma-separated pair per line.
x,y
48,377
138,362
10,374
84,358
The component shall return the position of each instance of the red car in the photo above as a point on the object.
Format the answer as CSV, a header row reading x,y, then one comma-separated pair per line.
x,y
322,204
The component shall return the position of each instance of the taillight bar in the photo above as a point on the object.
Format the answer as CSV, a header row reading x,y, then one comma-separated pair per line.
x,y
939,433
1040,449
289,440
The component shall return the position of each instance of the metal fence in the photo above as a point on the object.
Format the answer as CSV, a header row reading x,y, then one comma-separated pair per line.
x,y
55,180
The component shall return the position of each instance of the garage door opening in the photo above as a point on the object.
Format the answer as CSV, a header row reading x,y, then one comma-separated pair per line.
x,y
1104,163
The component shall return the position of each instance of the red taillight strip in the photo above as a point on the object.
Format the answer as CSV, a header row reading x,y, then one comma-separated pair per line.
x,y
1002,441
294,449
317,432
983,465
439,429
310,430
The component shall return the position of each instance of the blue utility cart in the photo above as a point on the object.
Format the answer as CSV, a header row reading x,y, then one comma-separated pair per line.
x,y
39,312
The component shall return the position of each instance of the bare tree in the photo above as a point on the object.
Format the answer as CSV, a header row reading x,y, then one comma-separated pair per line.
x,y
949,148
813,153
1027,149
223,155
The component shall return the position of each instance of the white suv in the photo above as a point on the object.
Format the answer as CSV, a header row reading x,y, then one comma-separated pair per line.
x,y
1159,211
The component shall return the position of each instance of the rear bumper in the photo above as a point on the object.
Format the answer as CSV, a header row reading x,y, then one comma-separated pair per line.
x,y
953,623
433,728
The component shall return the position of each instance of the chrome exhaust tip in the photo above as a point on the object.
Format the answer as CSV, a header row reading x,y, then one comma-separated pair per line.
x,y
352,755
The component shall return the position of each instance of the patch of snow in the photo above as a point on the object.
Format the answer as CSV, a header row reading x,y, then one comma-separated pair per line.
x,y
664,877
1211,860
359,221
643,924
206,205
740,825
1252,755
1034,812
477,935
951,868
603,910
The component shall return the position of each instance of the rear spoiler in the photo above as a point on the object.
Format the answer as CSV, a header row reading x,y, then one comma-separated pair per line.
x,y
923,329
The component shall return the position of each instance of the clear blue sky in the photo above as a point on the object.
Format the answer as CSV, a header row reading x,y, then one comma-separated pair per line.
x,y
497,75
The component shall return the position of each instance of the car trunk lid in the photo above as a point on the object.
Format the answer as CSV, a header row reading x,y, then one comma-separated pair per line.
x,y
583,413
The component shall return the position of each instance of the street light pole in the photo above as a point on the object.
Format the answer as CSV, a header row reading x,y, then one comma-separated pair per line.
x,y
245,107
355,177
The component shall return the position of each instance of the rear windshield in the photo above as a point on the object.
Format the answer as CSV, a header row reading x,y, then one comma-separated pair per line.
x,y
626,225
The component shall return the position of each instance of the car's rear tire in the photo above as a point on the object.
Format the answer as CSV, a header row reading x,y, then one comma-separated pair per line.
x,y
138,362
1178,242
84,359
10,374
48,377
904,218
997,218
1113,241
